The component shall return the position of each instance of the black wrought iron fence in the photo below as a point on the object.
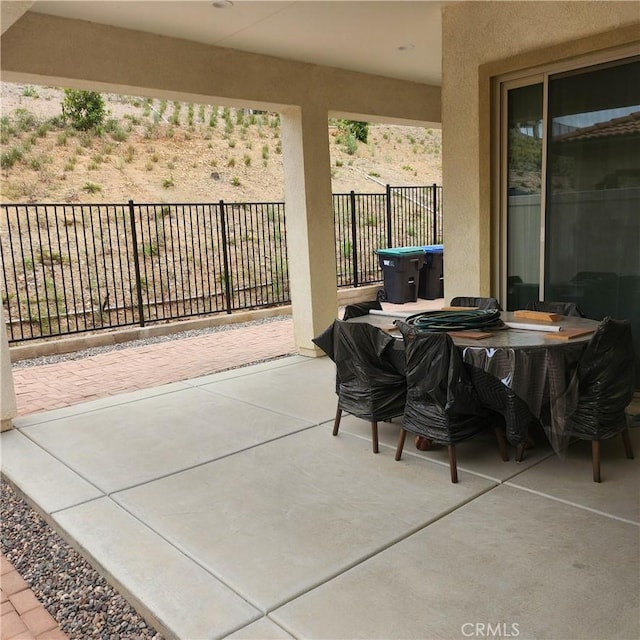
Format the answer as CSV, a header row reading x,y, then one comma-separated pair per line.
x,y
400,217
72,268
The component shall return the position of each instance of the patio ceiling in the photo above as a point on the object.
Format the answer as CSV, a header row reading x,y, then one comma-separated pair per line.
x,y
396,39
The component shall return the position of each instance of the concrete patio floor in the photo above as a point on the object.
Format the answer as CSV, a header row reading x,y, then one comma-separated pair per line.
x,y
222,507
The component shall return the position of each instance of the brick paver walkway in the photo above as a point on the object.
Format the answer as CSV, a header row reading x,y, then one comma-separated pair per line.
x,y
23,617
71,382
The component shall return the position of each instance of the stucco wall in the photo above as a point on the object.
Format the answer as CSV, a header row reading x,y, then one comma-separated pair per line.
x,y
504,37
74,53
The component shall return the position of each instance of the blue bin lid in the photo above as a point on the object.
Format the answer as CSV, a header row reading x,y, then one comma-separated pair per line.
x,y
433,248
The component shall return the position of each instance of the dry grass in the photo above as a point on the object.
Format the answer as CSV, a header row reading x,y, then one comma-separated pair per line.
x,y
181,157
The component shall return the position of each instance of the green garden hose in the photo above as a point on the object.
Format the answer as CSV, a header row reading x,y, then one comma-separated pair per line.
x,y
456,320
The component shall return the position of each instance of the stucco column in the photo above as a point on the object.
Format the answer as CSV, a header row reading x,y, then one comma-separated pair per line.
x,y
310,226
8,407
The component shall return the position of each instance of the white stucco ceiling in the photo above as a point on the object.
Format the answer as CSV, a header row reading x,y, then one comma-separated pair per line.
x,y
397,38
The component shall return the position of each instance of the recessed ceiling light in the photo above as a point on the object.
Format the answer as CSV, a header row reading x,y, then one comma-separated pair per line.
x,y
406,47
222,4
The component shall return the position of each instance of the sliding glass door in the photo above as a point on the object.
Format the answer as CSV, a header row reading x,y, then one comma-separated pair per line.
x,y
523,139
572,191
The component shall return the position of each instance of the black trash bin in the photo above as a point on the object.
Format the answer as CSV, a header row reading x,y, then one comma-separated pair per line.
x,y
401,272
431,284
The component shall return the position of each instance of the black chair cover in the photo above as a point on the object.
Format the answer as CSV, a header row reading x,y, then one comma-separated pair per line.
x,y
605,378
368,383
442,404
563,308
481,303
360,309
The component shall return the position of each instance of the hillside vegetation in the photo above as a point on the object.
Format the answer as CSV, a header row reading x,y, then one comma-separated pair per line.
x,y
161,151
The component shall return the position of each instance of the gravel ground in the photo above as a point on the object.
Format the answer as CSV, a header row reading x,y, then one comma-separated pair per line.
x,y
73,592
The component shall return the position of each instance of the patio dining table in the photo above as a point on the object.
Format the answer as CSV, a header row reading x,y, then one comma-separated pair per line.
x,y
525,374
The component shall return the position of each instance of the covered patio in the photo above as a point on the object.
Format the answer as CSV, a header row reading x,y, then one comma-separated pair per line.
x,y
260,524
221,505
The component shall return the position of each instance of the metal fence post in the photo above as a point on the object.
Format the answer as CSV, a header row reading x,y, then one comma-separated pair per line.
x,y
435,213
389,229
354,238
225,256
136,262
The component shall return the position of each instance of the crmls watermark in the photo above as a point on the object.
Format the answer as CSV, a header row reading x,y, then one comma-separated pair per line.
x,y
490,629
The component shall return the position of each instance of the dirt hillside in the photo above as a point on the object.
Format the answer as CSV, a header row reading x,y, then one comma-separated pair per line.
x,y
159,151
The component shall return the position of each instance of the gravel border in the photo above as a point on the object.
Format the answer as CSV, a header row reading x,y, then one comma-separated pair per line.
x,y
82,602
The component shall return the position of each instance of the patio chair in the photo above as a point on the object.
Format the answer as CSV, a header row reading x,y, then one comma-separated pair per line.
x,y
370,383
480,303
605,378
563,308
360,309
442,405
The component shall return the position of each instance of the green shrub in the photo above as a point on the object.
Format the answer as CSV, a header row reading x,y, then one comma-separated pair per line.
x,y
119,134
29,92
84,109
150,249
175,117
36,163
25,120
86,140
235,181
91,187
213,118
360,130
9,158
167,183
350,144
42,130
150,131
